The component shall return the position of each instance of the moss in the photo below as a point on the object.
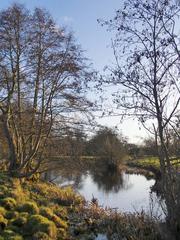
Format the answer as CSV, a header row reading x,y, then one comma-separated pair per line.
x,y
40,236
3,188
30,207
9,203
11,235
62,233
39,223
24,214
18,193
2,211
3,222
59,211
59,222
14,228
11,214
46,212
20,221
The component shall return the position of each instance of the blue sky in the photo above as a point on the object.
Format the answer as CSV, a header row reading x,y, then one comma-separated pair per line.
x,y
80,16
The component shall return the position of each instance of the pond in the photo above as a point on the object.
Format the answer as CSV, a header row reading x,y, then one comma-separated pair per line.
x,y
122,191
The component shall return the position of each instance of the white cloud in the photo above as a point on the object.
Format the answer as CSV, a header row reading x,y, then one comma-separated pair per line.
x,y
67,19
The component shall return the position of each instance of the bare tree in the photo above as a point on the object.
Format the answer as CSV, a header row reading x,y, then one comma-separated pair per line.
x,y
147,73
43,77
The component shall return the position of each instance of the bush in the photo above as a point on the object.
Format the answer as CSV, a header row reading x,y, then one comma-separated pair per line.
x,y
9,203
38,223
40,236
30,207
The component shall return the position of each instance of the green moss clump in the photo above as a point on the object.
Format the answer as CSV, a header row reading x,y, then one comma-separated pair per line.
x,y
30,207
62,233
2,211
11,235
20,221
41,236
3,222
46,212
24,214
38,223
9,203
59,211
59,222
11,214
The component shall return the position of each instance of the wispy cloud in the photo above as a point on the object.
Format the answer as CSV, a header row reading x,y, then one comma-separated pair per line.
x,y
68,19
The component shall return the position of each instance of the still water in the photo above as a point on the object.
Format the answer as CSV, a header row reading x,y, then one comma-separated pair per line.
x,y
126,192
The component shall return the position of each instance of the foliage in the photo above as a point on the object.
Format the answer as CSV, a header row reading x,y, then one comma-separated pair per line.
x,y
43,77
146,77
108,145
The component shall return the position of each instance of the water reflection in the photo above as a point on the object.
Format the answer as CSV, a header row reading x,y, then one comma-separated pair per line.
x,y
112,188
109,181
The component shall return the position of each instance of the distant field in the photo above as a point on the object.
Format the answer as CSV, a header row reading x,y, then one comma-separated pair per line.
x,y
152,161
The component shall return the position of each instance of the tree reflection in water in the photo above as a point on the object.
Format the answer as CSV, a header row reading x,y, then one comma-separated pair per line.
x,y
110,180
107,177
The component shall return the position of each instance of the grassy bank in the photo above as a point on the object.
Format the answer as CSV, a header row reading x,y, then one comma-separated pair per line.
x,y
151,162
43,211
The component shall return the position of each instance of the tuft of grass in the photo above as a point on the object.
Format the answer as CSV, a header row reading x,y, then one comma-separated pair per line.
x,y
9,203
3,222
11,214
11,235
41,236
38,223
47,212
29,207
3,211
19,221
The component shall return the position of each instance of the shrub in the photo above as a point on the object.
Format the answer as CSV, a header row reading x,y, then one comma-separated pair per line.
x,y
40,236
38,223
30,207
9,203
